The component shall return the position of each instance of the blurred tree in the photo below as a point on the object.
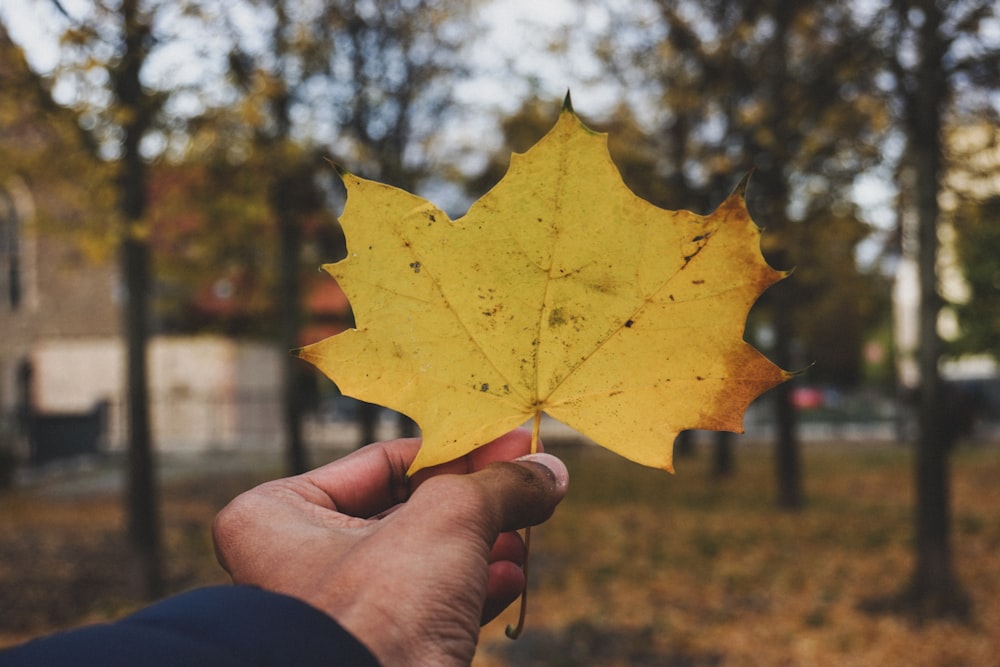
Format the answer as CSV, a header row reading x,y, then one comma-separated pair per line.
x,y
401,61
972,211
103,54
787,90
136,108
519,131
43,148
366,82
723,463
944,61
978,249
207,218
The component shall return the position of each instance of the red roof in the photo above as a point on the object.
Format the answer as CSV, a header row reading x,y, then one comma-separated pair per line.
x,y
324,297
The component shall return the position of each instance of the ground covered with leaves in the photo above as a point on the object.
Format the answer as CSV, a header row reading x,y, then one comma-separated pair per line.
x,y
638,567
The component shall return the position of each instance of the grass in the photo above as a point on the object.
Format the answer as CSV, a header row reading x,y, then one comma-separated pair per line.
x,y
637,567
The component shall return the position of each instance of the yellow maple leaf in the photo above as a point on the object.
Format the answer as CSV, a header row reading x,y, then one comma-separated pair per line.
x,y
560,291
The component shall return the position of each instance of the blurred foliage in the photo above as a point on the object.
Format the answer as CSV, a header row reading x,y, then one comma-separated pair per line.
x,y
785,89
933,51
354,82
978,249
44,152
239,154
208,222
972,209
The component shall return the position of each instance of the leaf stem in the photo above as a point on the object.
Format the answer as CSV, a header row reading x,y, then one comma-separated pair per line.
x,y
515,631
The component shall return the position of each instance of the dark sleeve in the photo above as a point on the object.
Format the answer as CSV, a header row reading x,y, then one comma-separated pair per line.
x,y
222,626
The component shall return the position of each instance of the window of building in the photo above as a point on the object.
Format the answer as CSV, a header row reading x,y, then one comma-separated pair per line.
x,y
10,253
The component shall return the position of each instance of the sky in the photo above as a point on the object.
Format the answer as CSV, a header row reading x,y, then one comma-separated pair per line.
x,y
26,22
516,34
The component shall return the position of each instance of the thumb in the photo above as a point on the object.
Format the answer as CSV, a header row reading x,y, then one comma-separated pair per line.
x,y
524,492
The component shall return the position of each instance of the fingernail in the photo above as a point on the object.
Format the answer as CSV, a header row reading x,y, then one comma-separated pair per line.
x,y
555,466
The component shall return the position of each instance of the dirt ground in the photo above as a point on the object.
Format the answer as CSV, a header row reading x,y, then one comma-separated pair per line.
x,y
638,567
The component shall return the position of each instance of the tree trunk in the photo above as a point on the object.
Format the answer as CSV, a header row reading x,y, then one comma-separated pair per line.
x,y
289,246
684,445
367,423
934,586
142,501
788,466
286,206
782,299
723,462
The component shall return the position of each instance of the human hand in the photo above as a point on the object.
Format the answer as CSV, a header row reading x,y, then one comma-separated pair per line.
x,y
410,567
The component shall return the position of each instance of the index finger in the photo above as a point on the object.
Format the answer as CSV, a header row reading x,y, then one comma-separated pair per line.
x,y
373,478
369,480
